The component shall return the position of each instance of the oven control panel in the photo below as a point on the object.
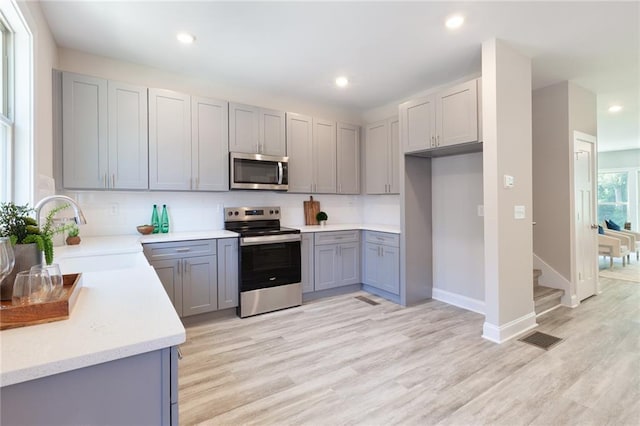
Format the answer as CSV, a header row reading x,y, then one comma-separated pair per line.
x,y
236,214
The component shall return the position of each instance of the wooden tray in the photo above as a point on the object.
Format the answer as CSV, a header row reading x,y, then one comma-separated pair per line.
x,y
40,313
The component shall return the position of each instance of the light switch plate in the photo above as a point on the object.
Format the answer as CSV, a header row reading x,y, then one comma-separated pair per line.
x,y
509,181
480,210
519,212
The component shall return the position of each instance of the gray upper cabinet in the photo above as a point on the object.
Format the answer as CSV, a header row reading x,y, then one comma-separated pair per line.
x,y
128,138
104,134
417,119
324,156
457,114
382,156
209,145
348,159
255,130
446,118
84,132
300,152
169,140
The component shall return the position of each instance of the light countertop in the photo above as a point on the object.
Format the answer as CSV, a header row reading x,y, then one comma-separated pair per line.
x,y
185,236
348,226
119,313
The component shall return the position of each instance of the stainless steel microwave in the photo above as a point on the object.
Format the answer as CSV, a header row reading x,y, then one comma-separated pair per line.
x,y
257,171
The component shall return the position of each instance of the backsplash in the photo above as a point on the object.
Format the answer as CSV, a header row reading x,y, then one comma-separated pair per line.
x,y
118,213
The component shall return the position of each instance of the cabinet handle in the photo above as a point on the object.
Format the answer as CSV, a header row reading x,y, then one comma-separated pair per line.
x,y
438,140
433,141
183,249
113,180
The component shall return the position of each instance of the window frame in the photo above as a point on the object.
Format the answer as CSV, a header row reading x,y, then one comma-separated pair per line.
x,y
633,196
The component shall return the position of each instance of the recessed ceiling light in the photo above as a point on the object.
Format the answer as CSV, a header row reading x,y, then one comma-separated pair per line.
x,y
342,81
454,22
185,38
615,108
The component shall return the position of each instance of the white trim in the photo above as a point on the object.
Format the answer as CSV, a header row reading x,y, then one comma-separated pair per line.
x,y
502,333
554,279
458,300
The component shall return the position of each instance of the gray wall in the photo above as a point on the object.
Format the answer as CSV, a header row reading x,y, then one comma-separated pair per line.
x,y
458,242
619,159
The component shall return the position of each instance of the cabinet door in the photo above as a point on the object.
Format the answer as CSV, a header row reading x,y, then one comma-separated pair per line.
x,y
244,128
349,263
300,152
348,158
169,140
390,269
209,145
128,138
393,173
169,272
227,273
199,285
84,132
306,259
324,156
376,157
417,122
372,265
326,268
457,114
272,134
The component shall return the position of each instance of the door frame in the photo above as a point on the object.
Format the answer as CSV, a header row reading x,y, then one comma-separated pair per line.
x,y
584,137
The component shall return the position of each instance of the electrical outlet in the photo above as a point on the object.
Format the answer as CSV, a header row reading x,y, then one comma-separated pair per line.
x,y
113,209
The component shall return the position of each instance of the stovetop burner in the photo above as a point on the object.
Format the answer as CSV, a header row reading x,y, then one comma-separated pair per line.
x,y
255,221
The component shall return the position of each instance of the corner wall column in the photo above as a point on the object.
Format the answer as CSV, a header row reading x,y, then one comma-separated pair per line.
x,y
506,105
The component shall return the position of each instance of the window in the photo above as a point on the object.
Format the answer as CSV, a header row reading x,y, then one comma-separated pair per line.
x,y
6,118
613,197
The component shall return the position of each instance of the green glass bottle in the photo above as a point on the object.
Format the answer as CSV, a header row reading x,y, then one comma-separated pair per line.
x,y
155,221
164,221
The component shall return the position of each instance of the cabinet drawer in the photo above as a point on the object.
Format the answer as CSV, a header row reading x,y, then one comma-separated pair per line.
x,y
179,249
385,238
336,237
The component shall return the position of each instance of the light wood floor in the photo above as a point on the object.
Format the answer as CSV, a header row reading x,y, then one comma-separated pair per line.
x,y
342,361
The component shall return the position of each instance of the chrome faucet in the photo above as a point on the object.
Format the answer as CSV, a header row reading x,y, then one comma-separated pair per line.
x,y
78,215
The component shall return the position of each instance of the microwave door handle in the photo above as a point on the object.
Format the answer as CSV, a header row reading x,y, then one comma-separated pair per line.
x,y
280,172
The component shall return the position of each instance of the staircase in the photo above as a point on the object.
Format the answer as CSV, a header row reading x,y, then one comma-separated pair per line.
x,y
545,298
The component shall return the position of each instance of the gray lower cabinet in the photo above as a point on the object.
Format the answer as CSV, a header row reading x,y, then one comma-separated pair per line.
x,y
137,390
381,268
199,276
336,259
306,260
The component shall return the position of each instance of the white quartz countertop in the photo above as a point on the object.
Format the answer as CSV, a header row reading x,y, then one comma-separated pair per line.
x,y
100,246
185,236
118,313
347,226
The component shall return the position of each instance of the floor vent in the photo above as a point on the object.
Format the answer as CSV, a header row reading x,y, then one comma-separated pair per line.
x,y
367,300
541,340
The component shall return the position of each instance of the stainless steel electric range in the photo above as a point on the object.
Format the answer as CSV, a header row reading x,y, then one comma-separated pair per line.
x,y
269,266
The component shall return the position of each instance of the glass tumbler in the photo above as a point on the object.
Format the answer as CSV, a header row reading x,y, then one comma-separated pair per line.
x,y
21,289
40,284
56,279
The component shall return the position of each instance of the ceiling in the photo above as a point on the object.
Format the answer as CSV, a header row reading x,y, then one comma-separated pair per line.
x,y
389,50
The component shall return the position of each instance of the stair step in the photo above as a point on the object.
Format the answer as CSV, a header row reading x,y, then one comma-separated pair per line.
x,y
546,298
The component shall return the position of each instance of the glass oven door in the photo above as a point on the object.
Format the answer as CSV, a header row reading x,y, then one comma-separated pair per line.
x,y
269,264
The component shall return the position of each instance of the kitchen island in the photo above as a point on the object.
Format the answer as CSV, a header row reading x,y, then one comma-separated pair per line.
x,y
114,361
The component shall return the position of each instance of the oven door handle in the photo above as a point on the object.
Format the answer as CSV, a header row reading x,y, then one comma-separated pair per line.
x,y
285,238
280,173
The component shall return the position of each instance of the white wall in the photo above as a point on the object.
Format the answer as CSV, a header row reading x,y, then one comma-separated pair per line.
x,y
457,230
629,158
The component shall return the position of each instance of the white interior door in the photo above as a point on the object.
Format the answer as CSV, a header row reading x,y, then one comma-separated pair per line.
x,y
586,243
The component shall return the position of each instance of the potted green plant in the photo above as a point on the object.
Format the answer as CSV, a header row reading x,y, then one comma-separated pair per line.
x,y
28,240
322,217
73,238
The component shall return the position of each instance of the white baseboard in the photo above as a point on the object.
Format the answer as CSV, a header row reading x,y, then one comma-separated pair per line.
x,y
458,300
502,333
554,279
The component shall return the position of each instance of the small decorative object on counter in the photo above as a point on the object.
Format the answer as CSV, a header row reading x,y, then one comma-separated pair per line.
x,y
155,221
72,237
164,222
322,217
145,229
